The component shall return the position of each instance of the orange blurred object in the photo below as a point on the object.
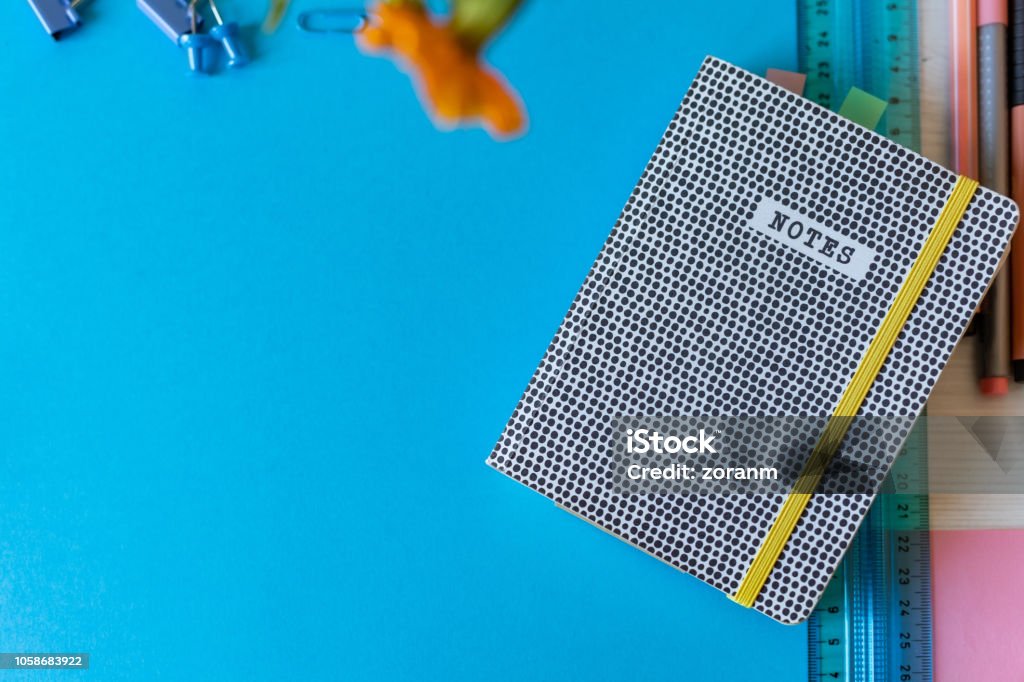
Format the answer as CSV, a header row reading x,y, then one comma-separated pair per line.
x,y
455,85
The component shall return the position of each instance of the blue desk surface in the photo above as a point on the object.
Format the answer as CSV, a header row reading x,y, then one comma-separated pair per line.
x,y
260,331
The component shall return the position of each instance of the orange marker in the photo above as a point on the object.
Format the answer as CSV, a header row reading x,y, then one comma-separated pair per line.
x,y
963,17
1017,181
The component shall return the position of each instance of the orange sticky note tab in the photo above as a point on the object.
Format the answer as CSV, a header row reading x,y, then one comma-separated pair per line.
x,y
791,80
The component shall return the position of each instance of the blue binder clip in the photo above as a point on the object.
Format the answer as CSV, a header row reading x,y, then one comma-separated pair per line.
x,y
56,16
174,17
227,35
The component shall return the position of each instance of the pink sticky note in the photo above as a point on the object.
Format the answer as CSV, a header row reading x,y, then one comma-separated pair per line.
x,y
792,81
978,604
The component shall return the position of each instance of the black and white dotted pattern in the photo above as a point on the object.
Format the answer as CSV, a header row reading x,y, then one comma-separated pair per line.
x,y
688,312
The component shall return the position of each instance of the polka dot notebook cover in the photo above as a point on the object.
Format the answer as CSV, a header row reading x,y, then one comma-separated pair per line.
x,y
751,266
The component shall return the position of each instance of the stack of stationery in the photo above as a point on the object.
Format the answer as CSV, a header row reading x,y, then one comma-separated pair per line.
x,y
987,79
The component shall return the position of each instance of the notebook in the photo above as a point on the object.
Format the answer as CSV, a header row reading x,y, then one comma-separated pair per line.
x,y
751,267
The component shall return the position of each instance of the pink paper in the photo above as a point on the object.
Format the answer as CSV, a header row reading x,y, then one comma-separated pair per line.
x,y
979,604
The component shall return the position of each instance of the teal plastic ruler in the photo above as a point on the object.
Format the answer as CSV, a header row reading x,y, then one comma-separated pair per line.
x,y
870,44
874,622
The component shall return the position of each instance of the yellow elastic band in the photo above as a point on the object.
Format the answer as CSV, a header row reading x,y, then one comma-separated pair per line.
x,y
878,350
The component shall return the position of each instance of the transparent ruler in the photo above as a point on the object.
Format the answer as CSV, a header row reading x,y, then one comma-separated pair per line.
x,y
871,44
874,623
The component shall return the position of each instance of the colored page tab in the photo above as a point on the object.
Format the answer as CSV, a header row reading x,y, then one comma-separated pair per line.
x,y
791,80
863,108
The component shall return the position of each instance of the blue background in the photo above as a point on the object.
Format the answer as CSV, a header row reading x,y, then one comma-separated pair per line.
x,y
259,331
